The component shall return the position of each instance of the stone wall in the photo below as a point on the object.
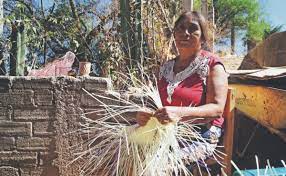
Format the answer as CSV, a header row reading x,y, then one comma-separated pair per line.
x,y
35,116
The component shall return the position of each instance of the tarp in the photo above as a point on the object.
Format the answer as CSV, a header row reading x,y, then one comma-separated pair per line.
x,y
58,67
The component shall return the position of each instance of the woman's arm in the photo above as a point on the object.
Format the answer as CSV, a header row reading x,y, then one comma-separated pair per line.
x,y
217,85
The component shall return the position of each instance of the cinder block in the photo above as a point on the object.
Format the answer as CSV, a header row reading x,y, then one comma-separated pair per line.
x,y
33,144
44,97
19,98
34,114
68,83
8,128
47,158
3,113
44,128
8,171
70,96
96,100
7,143
5,99
40,171
137,99
96,84
5,84
93,113
18,159
27,82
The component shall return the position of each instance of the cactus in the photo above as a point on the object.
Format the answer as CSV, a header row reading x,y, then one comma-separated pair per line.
x,y
21,50
131,30
17,56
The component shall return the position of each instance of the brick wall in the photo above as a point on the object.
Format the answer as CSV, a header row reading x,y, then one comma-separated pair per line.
x,y
35,116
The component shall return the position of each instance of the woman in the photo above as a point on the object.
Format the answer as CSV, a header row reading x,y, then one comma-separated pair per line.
x,y
193,85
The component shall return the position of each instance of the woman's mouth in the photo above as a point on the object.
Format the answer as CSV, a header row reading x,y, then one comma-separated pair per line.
x,y
183,41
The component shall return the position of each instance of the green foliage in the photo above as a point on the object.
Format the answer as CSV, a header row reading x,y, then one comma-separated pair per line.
x,y
197,5
242,14
271,30
91,29
256,30
52,31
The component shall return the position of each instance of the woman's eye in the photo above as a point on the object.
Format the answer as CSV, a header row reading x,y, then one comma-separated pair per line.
x,y
192,29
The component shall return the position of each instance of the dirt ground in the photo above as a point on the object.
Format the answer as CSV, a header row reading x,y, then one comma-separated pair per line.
x,y
231,62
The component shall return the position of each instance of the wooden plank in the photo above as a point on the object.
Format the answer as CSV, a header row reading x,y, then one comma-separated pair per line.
x,y
267,73
229,113
187,5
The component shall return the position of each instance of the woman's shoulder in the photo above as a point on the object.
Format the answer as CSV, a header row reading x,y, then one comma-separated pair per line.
x,y
209,55
213,59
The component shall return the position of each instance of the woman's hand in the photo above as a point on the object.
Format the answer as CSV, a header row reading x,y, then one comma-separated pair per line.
x,y
142,117
168,114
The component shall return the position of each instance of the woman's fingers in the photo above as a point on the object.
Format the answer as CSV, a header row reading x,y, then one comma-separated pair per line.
x,y
160,110
162,116
142,118
141,121
164,122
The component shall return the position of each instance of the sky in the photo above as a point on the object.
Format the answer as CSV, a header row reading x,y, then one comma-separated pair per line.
x,y
275,11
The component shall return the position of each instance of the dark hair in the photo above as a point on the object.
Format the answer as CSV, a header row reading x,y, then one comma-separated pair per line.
x,y
196,16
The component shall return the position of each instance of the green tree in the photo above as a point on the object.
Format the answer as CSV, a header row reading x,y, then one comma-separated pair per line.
x,y
258,31
77,26
234,15
93,30
255,32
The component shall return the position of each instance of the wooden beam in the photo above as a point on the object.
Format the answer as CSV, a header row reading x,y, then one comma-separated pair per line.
x,y
229,112
187,5
204,8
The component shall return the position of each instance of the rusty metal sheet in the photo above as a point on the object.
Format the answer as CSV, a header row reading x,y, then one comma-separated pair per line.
x,y
264,104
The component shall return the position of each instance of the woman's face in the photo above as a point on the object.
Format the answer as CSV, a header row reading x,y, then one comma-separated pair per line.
x,y
188,35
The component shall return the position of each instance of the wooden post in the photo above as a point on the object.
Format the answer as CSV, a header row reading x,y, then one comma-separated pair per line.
x,y
1,18
187,5
229,111
205,13
126,27
212,23
204,8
